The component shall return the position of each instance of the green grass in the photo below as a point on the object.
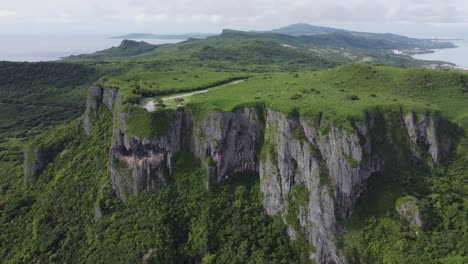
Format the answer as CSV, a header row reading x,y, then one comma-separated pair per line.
x,y
369,88
146,124
168,80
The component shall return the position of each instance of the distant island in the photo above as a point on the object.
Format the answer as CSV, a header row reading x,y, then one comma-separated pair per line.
x,y
162,36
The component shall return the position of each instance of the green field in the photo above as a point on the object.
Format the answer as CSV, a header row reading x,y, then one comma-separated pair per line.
x,y
346,93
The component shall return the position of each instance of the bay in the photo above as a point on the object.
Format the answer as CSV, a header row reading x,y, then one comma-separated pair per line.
x,y
50,48
458,55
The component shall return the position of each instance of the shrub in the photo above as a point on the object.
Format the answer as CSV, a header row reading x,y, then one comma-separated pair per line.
x,y
352,97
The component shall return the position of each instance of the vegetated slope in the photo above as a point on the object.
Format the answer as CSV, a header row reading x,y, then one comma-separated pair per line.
x,y
35,96
347,92
335,48
376,233
127,48
302,29
71,214
48,90
261,52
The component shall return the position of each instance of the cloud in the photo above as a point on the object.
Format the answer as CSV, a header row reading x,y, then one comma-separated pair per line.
x,y
150,18
7,14
163,16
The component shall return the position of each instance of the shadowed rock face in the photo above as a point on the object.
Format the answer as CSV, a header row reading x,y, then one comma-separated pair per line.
x,y
332,163
142,164
229,141
96,97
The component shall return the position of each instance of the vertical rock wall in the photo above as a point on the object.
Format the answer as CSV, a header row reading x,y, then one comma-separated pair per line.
x,y
333,164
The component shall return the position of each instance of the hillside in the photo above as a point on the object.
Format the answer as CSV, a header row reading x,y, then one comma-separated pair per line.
x,y
245,147
335,47
127,48
303,29
397,41
224,149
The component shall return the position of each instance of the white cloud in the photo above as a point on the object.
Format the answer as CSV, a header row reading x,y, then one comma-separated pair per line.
x,y
150,18
215,18
162,16
7,14
140,18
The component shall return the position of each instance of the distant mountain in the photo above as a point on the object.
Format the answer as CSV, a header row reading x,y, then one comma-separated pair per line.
x,y
160,36
127,48
302,29
303,44
348,38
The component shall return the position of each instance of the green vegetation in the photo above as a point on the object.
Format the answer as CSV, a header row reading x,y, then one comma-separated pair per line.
x,y
265,51
43,93
373,40
72,215
375,233
414,90
299,198
70,212
126,48
147,124
299,135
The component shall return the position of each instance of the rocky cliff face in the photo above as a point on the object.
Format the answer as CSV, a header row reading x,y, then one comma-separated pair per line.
x,y
98,96
331,164
407,208
37,157
334,165
144,164
228,143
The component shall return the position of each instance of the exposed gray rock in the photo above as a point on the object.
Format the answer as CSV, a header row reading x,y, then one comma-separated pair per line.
x,y
37,157
228,142
422,129
334,166
41,152
138,164
332,163
408,209
98,96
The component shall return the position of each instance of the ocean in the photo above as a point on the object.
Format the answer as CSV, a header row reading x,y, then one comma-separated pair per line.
x,y
459,55
50,48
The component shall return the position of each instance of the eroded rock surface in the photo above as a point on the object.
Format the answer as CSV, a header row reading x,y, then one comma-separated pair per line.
x,y
332,163
407,208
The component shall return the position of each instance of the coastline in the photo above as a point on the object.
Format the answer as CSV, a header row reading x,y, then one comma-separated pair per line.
x,y
456,58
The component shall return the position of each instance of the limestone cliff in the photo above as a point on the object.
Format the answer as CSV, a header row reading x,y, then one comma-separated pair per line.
x,y
229,143
330,163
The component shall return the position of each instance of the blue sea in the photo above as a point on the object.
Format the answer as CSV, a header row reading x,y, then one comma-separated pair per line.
x,y
458,55
50,48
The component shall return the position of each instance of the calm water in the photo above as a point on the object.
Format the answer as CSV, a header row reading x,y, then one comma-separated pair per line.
x,y
26,48
458,55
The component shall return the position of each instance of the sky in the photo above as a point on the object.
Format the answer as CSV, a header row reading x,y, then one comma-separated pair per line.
x,y
447,18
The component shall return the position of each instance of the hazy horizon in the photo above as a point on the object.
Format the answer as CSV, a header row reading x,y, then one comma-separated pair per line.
x,y
108,18
50,29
